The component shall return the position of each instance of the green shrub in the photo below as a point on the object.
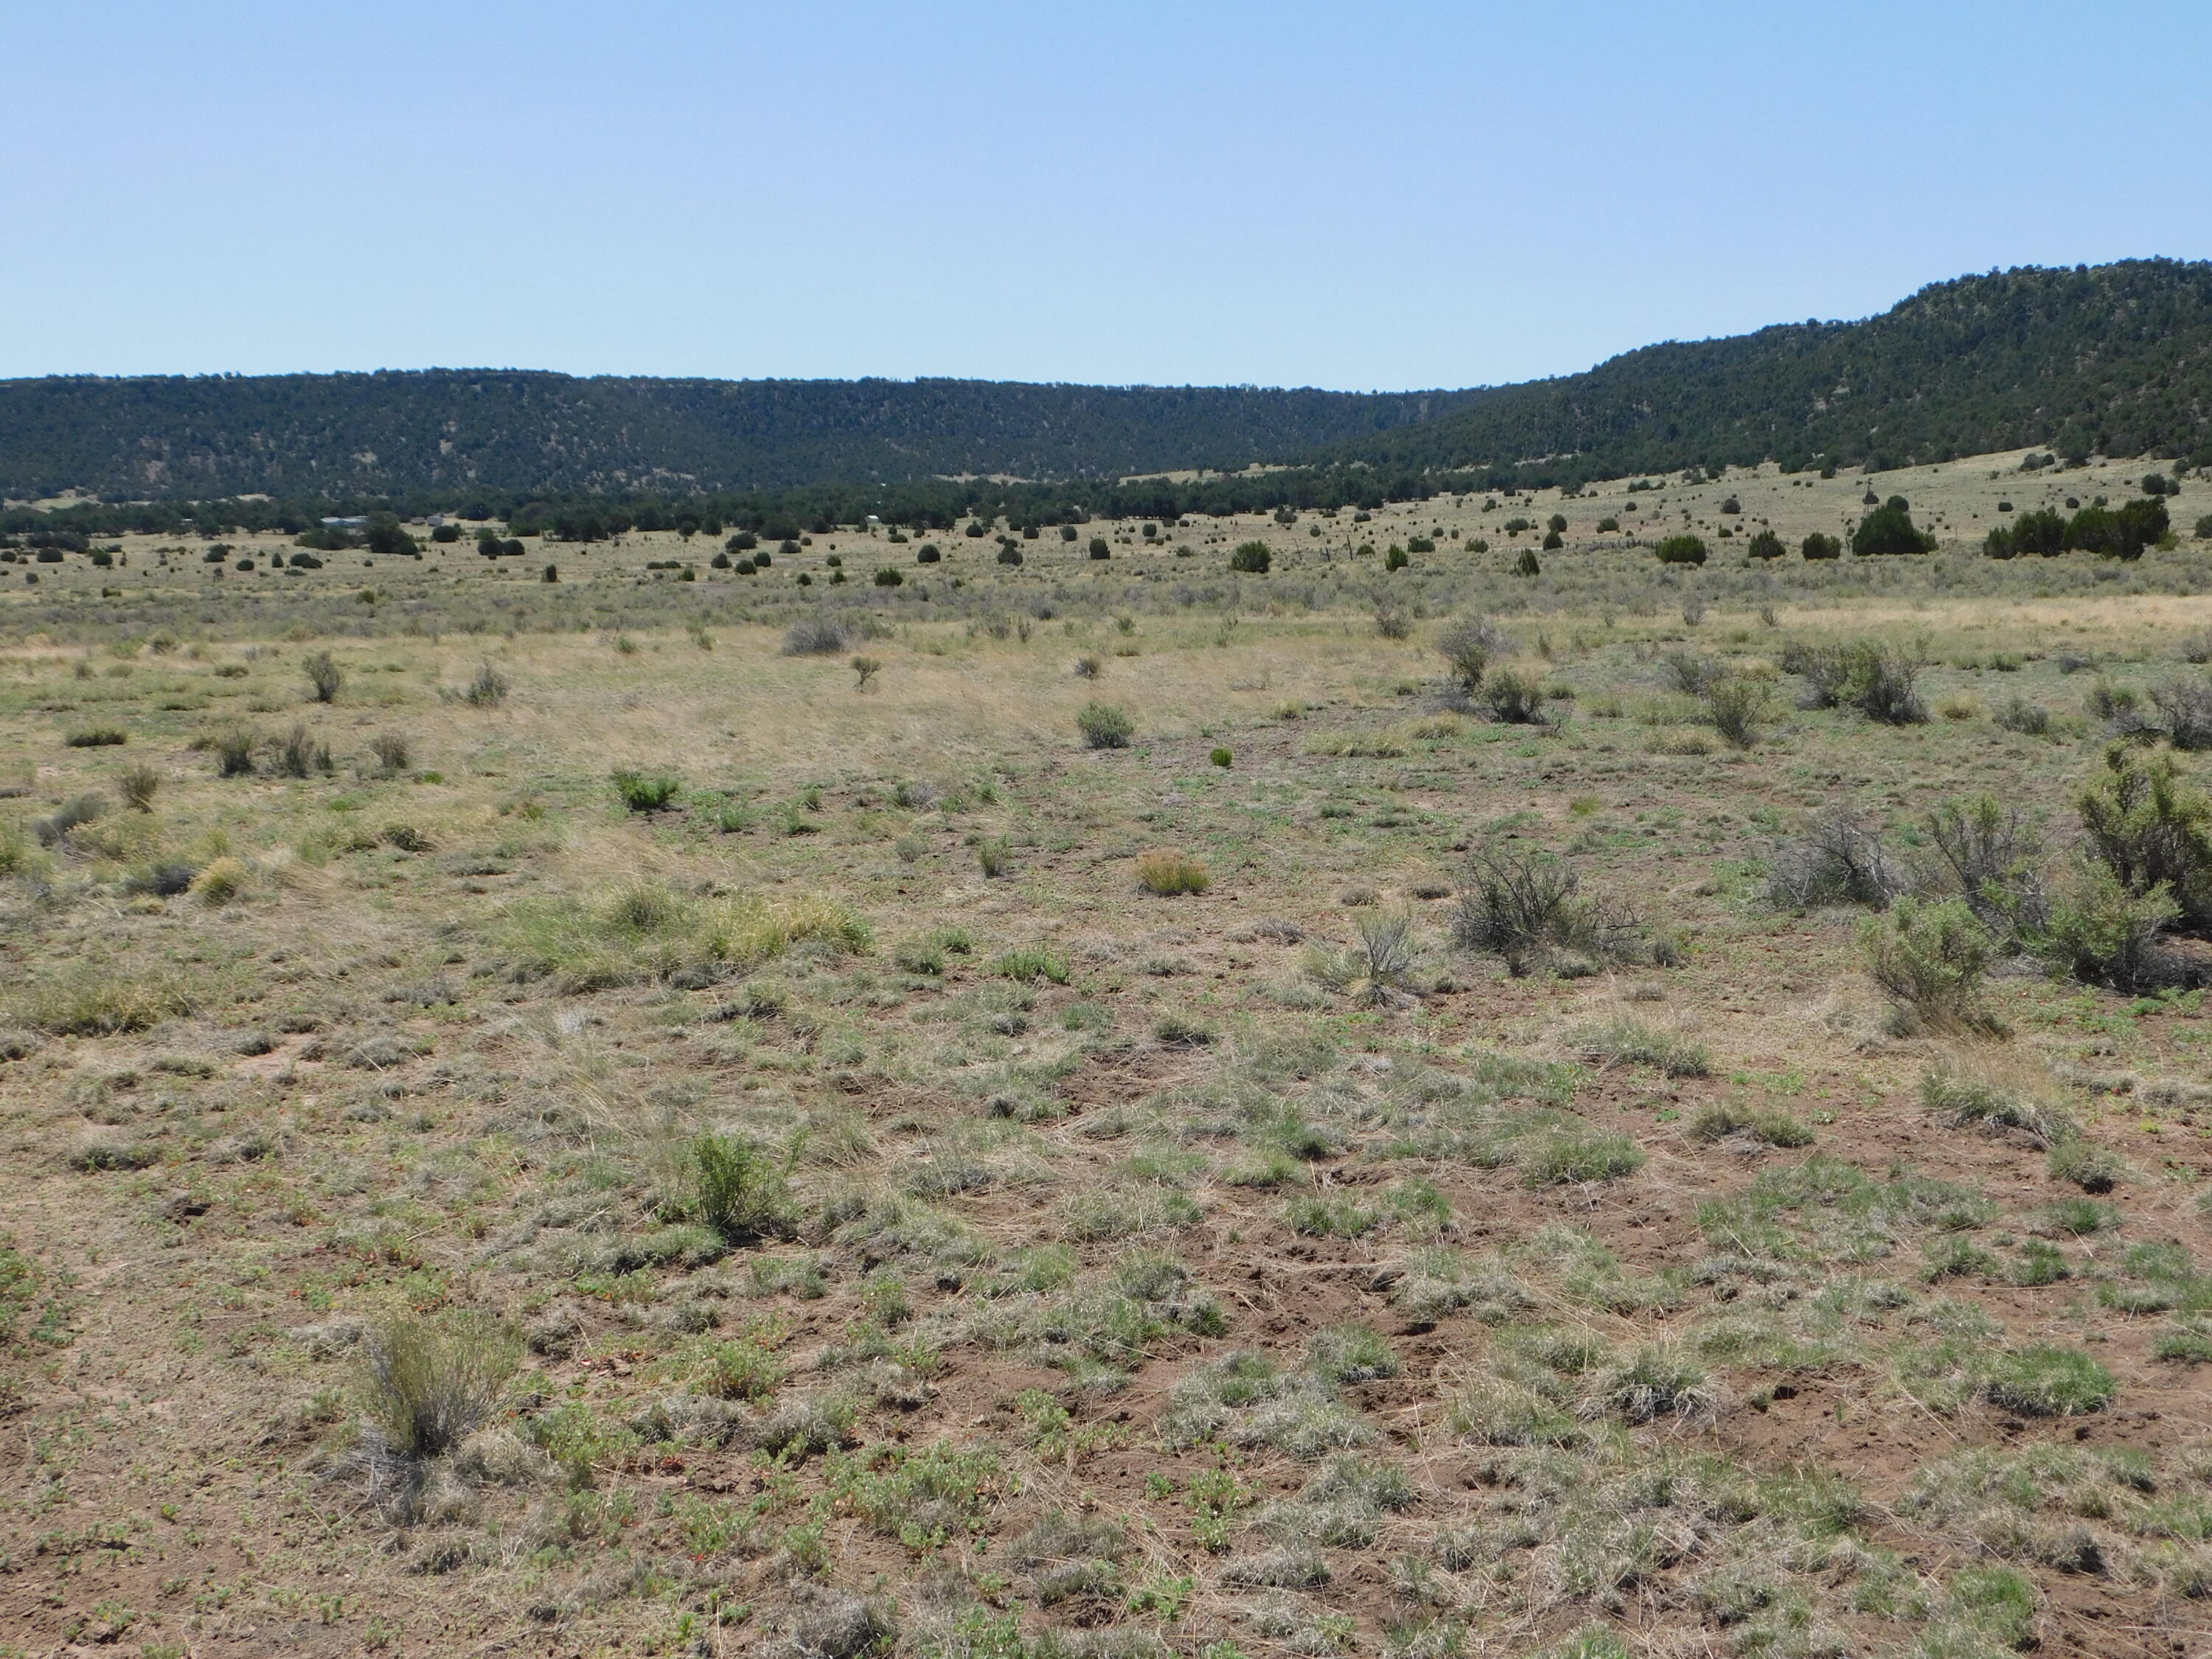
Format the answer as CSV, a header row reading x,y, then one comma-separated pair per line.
x,y
323,675
647,792
815,636
1819,545
1385,954
1992,852
1865,674
1223,758
233,753
2151,828
1765,546
1685,548
488,689
427,1384
1105,726
97,737
1251,558
1932,959
1737,706
394,751
1889,530
162,879
1515,698
1469,647
1526,906
2102,934
299,756
737,1189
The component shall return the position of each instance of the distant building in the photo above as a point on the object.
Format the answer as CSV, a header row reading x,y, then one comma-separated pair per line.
x,y
346,524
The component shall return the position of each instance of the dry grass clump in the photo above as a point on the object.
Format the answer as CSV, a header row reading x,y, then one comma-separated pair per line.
x,y
1724,1120
222,881
1245,1399
71,815
1378,970
1627,1041
645,931
139,785
394,751
1972,1097
94,1001
1171,874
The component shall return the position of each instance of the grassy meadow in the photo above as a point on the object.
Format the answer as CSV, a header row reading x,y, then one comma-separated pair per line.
x,y
1123,1109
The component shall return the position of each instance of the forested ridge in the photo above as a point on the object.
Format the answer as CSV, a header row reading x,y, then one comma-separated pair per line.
x,y
2111,360
508,432
2114,359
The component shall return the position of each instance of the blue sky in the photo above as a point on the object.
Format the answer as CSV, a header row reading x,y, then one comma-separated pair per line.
x,y
1367,197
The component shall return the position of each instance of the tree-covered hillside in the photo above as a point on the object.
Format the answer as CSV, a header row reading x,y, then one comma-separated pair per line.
x,y
2117,359
401,434
2114,359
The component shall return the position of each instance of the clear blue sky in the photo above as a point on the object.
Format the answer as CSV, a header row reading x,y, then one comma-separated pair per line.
x,y
1358,196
